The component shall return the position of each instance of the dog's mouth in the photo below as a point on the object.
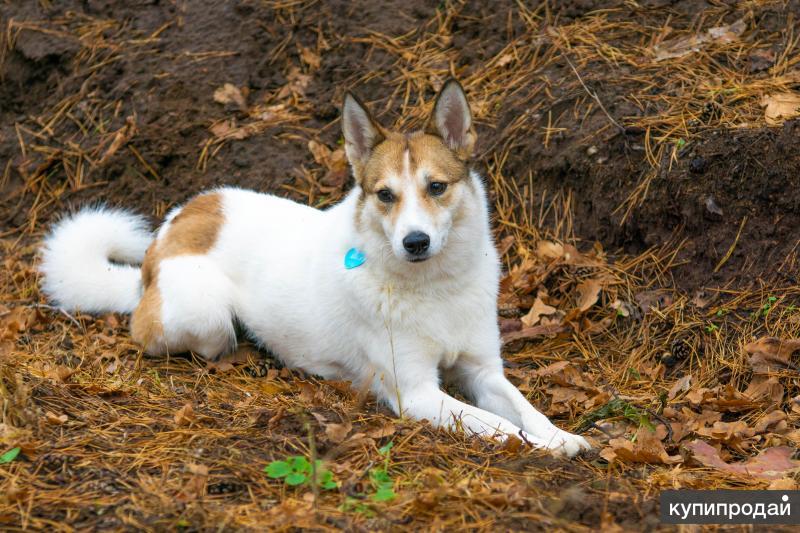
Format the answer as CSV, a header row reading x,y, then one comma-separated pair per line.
x,y
418,259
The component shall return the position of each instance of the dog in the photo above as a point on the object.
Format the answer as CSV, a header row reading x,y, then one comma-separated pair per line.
x,y
394,288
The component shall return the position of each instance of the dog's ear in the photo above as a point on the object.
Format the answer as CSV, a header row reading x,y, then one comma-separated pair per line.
x,y
361,133
452,119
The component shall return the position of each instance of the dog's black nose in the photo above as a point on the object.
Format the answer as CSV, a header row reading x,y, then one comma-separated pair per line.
x,y
416,243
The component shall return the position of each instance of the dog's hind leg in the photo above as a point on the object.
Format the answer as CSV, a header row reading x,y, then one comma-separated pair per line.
x,y
190,307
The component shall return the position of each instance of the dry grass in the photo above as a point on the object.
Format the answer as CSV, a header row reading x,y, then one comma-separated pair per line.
x,y
108,442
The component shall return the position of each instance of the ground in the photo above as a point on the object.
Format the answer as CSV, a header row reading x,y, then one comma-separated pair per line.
x,y
643,166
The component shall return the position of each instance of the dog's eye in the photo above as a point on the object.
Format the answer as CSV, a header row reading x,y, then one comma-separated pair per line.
x,y
385,196
437,188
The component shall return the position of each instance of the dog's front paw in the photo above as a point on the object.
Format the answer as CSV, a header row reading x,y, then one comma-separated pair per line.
x,y
568,444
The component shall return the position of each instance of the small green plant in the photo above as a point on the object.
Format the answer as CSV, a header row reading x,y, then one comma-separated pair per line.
x,y
614,408
9,456
634,373
767,306
722,312
297,470
382,486
380,478
711,328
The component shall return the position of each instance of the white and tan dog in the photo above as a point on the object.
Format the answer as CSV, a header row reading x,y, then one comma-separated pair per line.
x,y
394,288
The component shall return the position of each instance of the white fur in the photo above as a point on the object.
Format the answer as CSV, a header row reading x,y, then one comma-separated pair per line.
x,y
278,266
77,260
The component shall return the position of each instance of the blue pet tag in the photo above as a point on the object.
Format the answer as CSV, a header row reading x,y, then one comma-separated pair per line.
x,y
354,258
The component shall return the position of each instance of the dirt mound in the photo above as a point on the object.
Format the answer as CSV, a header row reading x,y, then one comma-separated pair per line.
x,y
75,73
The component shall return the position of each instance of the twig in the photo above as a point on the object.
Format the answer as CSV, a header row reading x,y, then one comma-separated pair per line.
x,y
59,310
594,95
733,246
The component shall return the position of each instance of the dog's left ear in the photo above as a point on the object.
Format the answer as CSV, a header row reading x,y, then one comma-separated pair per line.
x,y
452,120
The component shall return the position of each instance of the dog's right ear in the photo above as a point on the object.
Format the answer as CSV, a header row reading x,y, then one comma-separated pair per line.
x,y
361,133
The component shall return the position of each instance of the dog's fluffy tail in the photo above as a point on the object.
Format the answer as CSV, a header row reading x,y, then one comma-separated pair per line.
x,y
90,260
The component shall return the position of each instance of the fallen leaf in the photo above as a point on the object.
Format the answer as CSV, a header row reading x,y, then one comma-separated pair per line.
x,y
310,58
763,388
624,309
505,59
13,492
551,369
539,308
729,33
244,354
780,107
60,373
724,398
309,393
772,463
694,43
682,385
55,419
230,94
298,83
648,300
386,429
505,245
761,60
565,399
335,161
769,354
588,293
16,321
701,299
533,333
713,207
565,374
338,432
783,484
549,250
320,152
195,487
121,137
732,433
508,325
770,422
185,415
645,449
199,470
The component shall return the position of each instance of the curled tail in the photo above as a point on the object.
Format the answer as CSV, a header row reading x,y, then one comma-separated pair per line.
x,y
90,260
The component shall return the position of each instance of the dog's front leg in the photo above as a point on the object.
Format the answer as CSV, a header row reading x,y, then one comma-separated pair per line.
x,y
428,401
481,378
414,391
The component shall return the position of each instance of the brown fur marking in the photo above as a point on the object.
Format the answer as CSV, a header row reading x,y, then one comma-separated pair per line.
x,y
424,150
442,164
192,231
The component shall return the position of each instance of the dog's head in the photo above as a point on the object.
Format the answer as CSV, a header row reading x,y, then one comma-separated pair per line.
x,y
412,184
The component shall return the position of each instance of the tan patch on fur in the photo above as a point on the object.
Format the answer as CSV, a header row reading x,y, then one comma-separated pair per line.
x,y
430,152
146,326
192,231
424,150
386,158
